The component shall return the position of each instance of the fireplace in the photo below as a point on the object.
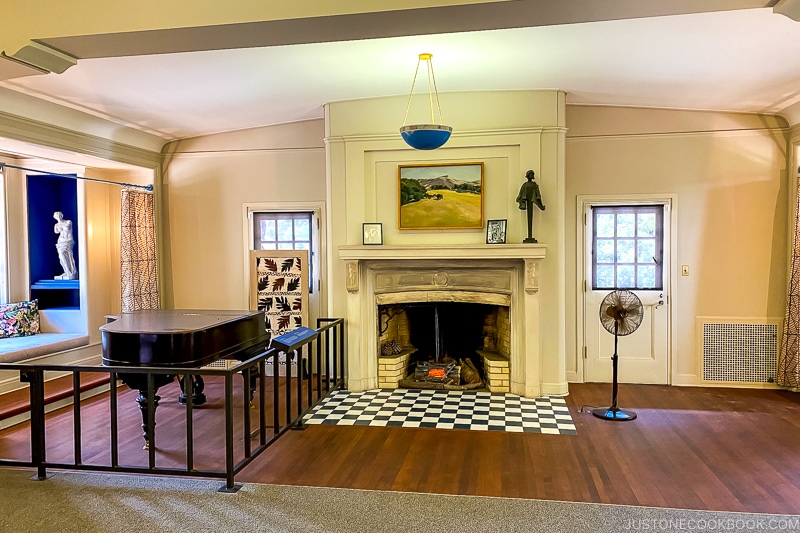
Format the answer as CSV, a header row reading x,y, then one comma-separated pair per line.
x,y
462,335
379,278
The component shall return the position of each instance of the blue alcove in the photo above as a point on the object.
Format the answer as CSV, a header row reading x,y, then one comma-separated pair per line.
x,y
46,195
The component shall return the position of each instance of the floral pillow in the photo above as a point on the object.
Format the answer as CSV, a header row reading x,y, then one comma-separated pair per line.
x,y
19,319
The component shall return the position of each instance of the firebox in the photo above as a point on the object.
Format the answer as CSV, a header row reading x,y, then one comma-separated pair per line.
x,y
444,345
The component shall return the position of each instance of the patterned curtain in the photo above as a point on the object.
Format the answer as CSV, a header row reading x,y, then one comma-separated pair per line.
x,y
789,359
138,251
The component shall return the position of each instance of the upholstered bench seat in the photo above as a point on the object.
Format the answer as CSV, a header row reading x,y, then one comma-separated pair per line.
x,y
15,349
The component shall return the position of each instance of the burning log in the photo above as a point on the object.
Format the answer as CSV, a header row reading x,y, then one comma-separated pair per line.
x,y
446,376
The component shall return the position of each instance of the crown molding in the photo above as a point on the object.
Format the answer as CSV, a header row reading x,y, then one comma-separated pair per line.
x,y
59,138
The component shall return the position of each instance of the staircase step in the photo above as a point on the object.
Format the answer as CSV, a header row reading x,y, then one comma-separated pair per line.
x,y
19,401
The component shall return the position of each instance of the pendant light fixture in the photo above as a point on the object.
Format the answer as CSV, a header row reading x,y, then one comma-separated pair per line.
x,y
425,136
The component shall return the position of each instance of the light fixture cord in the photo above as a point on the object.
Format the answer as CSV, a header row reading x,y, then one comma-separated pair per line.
x,y
430,93
411,94
436,91
431,77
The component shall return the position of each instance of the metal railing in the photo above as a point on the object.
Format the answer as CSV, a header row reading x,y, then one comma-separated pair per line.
x,y
319,371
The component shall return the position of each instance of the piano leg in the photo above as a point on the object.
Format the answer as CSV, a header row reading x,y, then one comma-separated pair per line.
x,y
198,385
143,407
139,382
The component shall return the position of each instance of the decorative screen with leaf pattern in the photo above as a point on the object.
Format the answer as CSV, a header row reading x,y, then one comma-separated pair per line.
x,y
279,287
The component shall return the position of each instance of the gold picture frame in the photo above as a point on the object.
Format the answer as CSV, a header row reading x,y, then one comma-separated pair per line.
x,y
440,196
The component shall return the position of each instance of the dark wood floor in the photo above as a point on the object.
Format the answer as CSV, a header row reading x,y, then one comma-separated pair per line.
x,y
696,448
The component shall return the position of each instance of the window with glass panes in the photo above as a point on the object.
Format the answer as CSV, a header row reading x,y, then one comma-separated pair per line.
x,y
627,247
284,231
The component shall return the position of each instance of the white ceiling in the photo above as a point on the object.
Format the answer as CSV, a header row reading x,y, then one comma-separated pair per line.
x,y
746,60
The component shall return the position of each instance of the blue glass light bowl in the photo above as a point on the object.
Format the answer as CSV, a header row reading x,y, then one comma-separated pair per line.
x,y
425,136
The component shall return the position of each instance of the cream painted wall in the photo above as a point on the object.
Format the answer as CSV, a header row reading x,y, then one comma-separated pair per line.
x,y
103,238
510,132
729,175
16,240
206,183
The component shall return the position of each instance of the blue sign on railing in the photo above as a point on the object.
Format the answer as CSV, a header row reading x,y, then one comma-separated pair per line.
x,y
288,341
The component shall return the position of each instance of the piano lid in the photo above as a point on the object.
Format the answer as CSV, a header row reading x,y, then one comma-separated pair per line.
x,y
156,321
182,337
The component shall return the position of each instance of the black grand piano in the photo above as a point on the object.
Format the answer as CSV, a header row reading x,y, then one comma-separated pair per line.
x,y
179,338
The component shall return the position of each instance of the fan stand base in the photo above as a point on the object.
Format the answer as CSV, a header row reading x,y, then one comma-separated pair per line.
x,y
613,413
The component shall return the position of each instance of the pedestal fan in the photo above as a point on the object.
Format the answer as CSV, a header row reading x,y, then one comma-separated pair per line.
x,y
621,314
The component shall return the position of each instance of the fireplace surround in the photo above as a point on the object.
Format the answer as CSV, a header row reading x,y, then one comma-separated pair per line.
x,y
494,275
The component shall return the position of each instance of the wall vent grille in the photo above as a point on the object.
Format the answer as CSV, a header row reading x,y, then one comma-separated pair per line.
x,y
740,352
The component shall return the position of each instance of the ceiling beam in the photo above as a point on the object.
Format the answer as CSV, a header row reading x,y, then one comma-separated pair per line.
x,y
386,20
790,8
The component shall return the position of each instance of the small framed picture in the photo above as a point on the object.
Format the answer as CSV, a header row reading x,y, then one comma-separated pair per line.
x,y
496,232
373,233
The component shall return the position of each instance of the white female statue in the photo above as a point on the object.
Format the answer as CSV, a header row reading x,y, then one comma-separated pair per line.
x,y
64,246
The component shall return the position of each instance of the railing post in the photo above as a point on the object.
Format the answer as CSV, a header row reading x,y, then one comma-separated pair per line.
x,y
276,397
335,357
76,415
35,377
188,392
229,466
300,369
262,391
114,414
288,381
340,329
246,405
318,364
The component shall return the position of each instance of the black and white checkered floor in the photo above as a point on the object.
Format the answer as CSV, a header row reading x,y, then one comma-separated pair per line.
x,y
484,411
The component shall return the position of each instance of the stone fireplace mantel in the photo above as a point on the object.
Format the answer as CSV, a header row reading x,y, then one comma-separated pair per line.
x,y
529,253
444,273
444,251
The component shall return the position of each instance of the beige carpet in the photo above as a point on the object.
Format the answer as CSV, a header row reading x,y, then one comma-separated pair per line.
x,y
84,502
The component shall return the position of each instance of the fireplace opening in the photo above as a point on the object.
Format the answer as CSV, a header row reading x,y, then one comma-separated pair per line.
x,y
444,345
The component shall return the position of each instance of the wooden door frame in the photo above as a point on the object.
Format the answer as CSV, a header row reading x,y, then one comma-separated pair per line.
x,y
584,200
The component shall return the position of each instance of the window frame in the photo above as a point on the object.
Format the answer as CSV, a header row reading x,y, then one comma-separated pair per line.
x,y
658,258
294,215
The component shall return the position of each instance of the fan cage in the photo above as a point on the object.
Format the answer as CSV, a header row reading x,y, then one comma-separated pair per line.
x,y
628,301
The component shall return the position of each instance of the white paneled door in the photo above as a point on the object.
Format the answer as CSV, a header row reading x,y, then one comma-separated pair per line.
x,y
627,247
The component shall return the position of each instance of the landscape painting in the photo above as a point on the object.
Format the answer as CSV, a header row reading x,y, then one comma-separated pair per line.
x,y
446,196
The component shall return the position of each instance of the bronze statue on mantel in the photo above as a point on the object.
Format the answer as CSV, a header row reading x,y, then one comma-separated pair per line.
x,y
529,196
